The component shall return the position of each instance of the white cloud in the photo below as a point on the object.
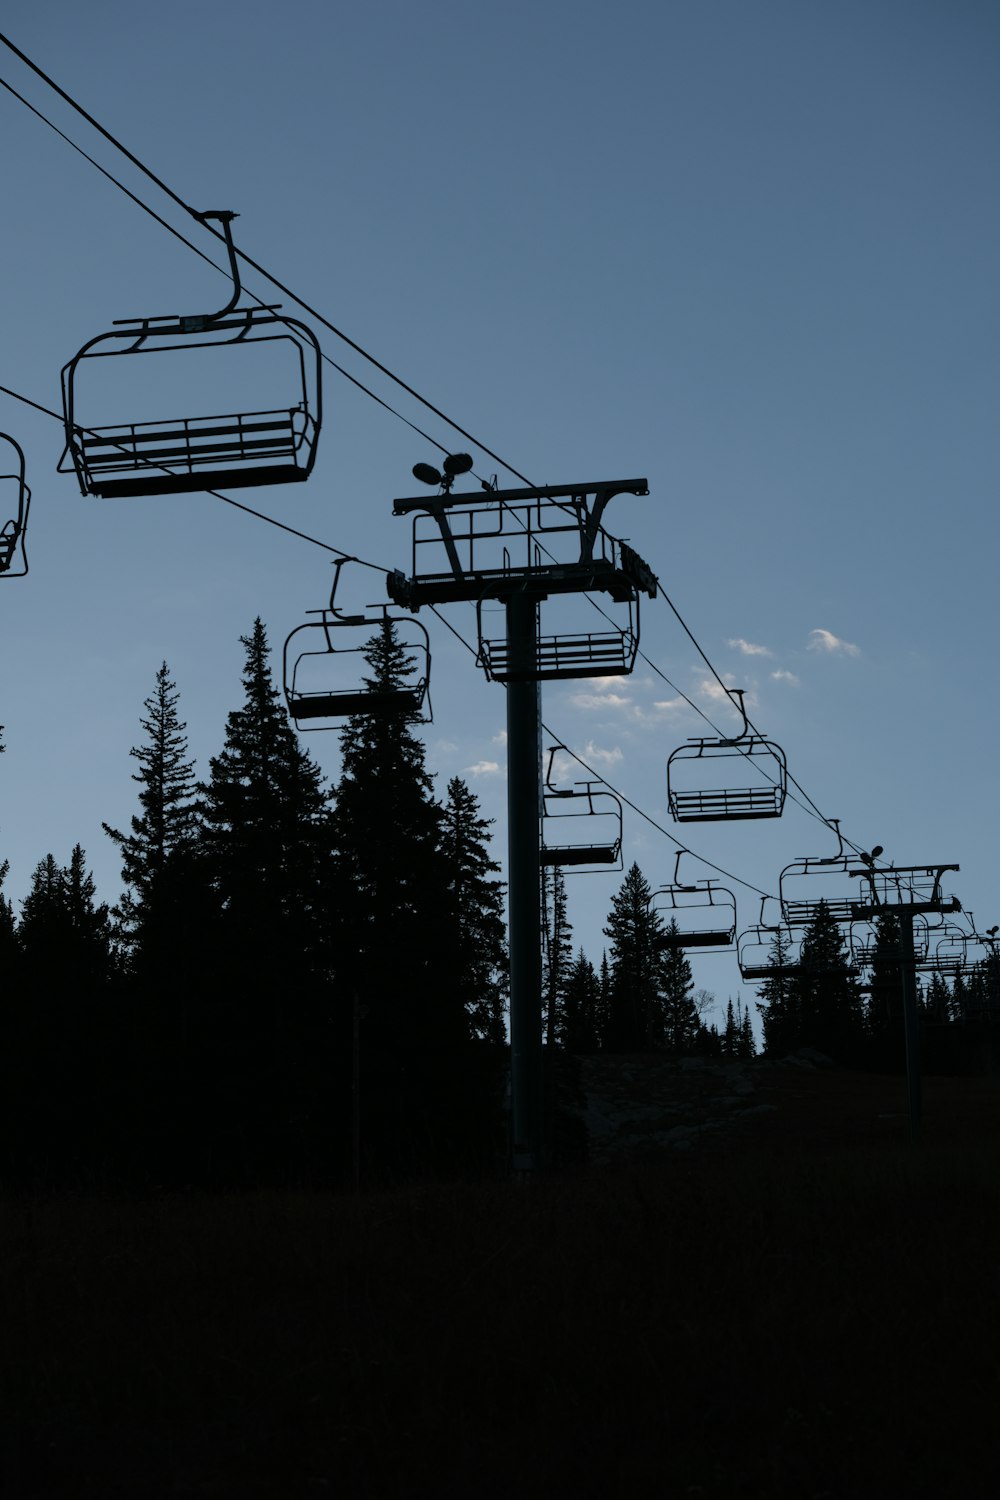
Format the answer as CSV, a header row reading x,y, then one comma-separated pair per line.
x,y
748,648
714,692
599,700
445,747
610,757
500,739
666,704
825,640
782,676
484,768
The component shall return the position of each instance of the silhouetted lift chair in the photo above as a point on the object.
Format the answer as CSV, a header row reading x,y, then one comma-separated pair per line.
x,y
808,883
755,949
704,913
701,790
202,451
581,825
324,667
15,502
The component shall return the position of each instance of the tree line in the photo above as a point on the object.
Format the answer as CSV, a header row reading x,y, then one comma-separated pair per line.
x,y
304,982
299,982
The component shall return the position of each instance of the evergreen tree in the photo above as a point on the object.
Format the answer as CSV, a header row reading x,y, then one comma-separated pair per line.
x,y
634,1022
157,855
602,1024
830,1005
961,1008
392,880
679,1023
480,947
581,1003
746,1046
265,826
58,1092
885,1005
779,1003
264,1031
558,954
8,942
422,1100
730,1035
936,1001
650,1004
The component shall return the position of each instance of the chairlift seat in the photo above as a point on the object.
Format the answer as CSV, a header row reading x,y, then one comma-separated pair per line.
x,y
727,804
182,455
706,937
345,704
580,854
177,457
561,657
800,913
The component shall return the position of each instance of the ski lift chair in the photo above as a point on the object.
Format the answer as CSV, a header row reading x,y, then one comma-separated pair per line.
x,y
753,954
704,913
863,943
720,796
201,451
15,502
324,668
807,884
581,825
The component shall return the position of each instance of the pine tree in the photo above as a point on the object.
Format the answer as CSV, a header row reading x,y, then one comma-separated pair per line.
x,y
731,1033
480,948
747,1043
779,999
884,1008
602,1023
937,1000
680,1022
636,1020
265,830
558,954
581,1005
265,1034
392,881
59,1033
157,855
422,1101
8,942
830,1003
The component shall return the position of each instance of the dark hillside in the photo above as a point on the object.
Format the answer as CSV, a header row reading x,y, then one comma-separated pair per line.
x,y
783,1299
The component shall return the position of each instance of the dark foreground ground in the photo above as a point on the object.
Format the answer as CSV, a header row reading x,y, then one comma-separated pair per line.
x,y
794,1302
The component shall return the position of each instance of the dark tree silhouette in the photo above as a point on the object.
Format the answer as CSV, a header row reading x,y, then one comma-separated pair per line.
x,y
265,1030
679,1022
830,1007
580,1007
158,853
779,1000
392,898
636,1020
558,953
60,1040
480,945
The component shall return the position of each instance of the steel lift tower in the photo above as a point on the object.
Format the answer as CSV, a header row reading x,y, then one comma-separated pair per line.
x,y
523,547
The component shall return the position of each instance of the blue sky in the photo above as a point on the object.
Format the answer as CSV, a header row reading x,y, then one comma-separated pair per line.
x,y
746,250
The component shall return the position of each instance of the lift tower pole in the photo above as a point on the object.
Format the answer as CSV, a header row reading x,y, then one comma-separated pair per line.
x,y
519,547
524,883
905,893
